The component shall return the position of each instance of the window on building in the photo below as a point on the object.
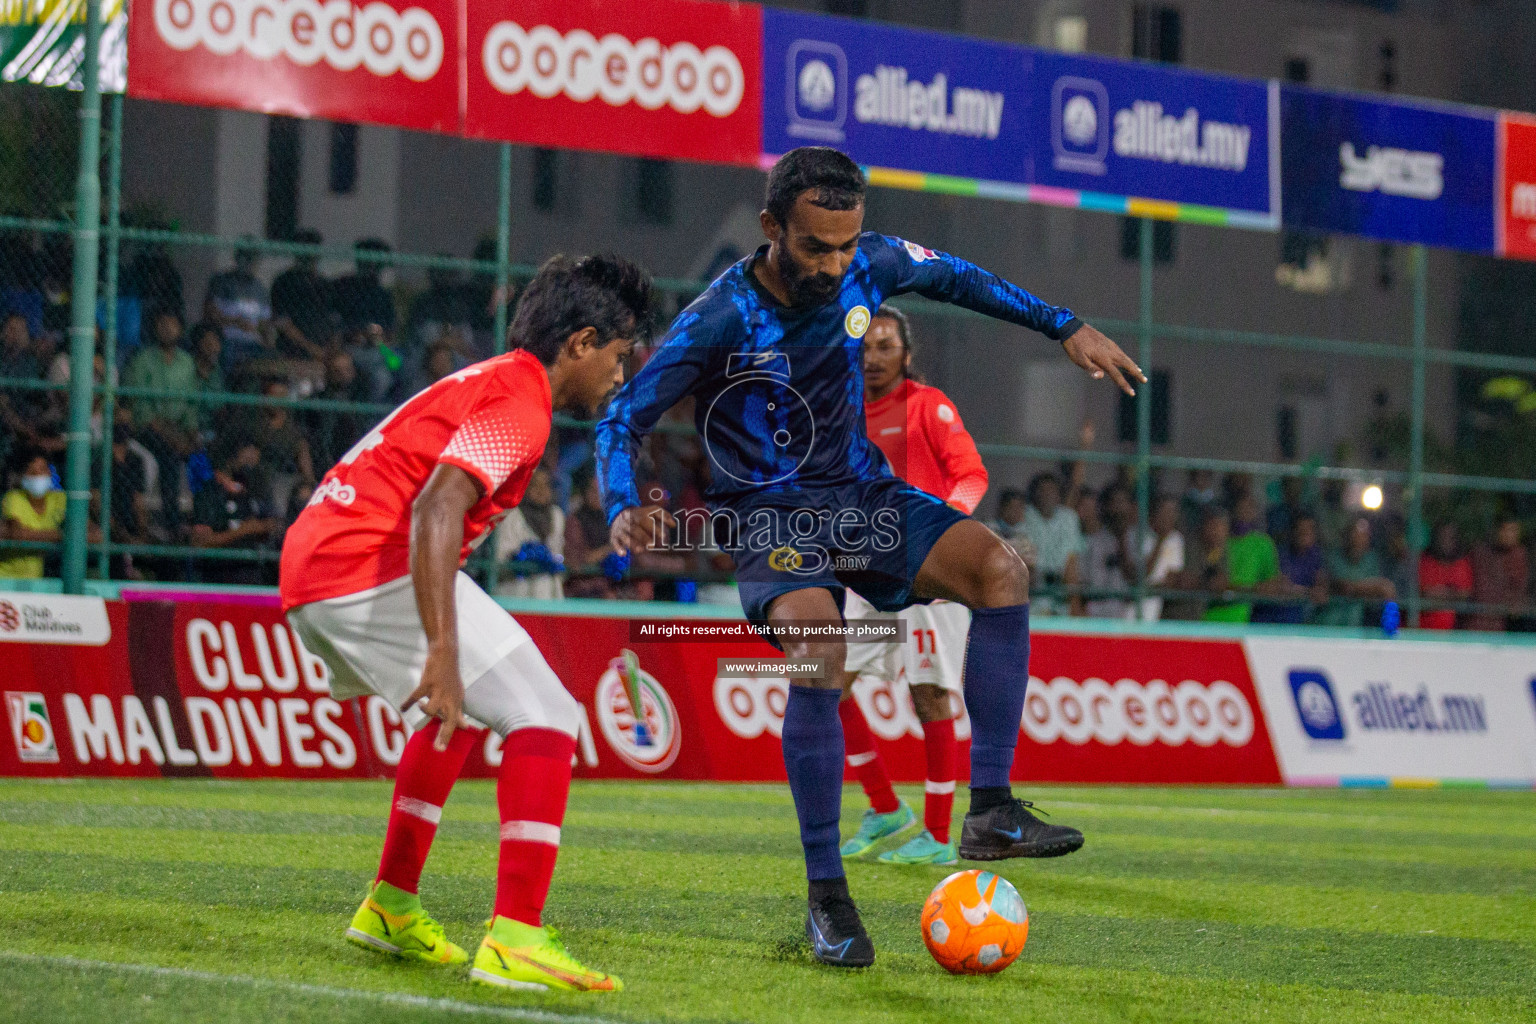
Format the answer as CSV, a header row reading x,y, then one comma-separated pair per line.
x,y
283,135
546,179
343,171
1161,385
1069,33
651,191
1164,239
1157,33
848,8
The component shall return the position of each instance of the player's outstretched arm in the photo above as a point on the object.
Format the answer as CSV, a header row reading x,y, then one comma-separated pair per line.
x,y
909,267
437,536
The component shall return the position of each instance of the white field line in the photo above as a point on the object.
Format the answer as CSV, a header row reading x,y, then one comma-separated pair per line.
x,y
300,988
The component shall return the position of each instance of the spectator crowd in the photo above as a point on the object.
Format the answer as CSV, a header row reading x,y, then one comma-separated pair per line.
x,y
232,415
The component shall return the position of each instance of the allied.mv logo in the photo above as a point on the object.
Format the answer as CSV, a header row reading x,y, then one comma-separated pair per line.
x,y
1080,125
816,90
1316,704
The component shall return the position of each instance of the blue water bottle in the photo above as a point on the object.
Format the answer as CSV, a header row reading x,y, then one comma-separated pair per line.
x,y
1391,618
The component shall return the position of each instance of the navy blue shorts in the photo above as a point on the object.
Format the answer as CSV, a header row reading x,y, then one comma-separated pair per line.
x,y
871,536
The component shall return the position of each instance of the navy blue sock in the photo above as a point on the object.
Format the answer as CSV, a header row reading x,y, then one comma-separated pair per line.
x,y
813,757
996,676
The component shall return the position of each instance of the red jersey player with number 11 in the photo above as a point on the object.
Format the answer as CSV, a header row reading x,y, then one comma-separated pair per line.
x,y
921,435
371,583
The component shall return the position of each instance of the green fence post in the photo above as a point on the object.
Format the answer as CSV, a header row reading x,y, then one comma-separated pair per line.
x,y
1144,410
1416,440
503,262
82,328
109,386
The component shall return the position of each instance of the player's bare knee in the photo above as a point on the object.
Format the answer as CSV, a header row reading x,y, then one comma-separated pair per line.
x,y
832,654
1004,577
931,703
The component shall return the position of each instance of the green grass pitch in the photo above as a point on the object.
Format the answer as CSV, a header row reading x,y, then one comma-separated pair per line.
x,y
225,901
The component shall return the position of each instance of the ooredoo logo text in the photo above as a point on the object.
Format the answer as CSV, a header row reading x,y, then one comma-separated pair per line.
x,y
376,37
547,63
1139,713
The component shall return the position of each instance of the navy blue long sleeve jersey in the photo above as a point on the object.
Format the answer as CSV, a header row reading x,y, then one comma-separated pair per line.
x,y
779,390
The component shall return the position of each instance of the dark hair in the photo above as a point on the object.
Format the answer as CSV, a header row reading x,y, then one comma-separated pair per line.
x,y
1039,480
1011,494
605,292
834,181
904,332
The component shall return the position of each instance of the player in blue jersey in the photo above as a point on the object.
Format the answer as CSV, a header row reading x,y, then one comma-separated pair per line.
x,y
805,504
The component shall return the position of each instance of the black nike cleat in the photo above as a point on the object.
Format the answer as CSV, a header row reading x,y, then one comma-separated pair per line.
x,y
1010,830
837,935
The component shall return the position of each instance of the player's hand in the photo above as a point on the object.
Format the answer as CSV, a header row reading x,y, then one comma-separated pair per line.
x,y
1095,353
443,691
640,527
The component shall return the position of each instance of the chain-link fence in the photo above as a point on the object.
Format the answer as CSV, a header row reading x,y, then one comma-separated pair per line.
x,y
232,370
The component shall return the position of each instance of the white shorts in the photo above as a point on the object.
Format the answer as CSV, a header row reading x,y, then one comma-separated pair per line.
x,y
932,653
373,642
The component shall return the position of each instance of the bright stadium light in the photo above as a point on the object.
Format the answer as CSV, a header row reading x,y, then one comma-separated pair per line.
x,y
1370,498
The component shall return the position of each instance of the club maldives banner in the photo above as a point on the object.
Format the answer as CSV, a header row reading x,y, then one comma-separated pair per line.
x,y
1516,194
1070,130
1371,712
1396,171
660,79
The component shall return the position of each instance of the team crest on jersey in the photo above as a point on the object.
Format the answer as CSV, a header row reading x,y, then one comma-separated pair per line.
x,y
945,414
857,321
785,559
918,253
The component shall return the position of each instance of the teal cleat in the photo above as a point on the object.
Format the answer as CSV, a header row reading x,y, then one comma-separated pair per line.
x,y
923,849
875,827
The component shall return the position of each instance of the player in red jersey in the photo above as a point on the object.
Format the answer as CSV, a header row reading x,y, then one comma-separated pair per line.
x,y
370,581
927,445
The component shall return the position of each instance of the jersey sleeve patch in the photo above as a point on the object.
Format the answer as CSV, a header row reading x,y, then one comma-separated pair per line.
x,y
918,253
490,445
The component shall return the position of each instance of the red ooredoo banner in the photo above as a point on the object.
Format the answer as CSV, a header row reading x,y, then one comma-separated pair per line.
x,y
1517,190
669,78
394,63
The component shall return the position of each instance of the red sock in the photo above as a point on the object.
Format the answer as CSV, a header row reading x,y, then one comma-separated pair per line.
x,y
939,793
859,748
531,790
422,781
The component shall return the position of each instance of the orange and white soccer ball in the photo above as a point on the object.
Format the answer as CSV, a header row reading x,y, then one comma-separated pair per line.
x,y
975,923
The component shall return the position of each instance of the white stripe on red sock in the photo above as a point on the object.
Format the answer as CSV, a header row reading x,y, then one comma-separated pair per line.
x,y
938,788
531,832
431,813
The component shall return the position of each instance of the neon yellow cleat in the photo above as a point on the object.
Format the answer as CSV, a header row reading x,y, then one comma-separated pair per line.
x,y
517,955
401,928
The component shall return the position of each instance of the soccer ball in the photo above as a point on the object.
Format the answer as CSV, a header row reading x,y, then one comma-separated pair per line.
x,y
975,923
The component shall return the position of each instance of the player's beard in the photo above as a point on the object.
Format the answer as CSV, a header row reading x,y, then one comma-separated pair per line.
x,y
806,289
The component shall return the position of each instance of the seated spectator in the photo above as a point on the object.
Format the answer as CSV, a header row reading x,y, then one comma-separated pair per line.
x,y
1302,565
1281,515
1199,496
32,510
1106,556
437,362
285,453
1010,514
238,305
1163,551
331,432
586,539
1252,562
530,543
18,359
168,427
1356,575
228,513
151,276
1057,536
1205,566
1500,575
441,313
129,523
302,313
361,299
1445,574
207,357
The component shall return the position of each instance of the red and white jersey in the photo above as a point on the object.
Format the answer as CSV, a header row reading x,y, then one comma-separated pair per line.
x,y
491,420
920,432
